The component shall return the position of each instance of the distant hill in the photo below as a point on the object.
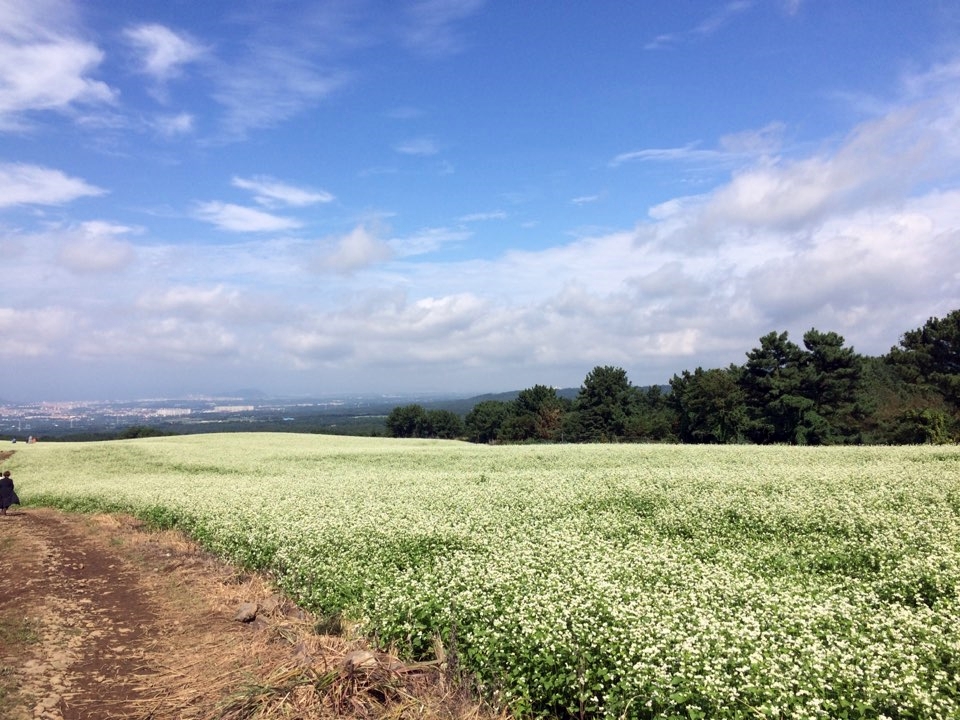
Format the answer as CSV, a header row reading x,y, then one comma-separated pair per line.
x,y
462,406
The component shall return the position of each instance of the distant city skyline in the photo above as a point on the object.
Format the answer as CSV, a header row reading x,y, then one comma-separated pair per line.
x,y
463,196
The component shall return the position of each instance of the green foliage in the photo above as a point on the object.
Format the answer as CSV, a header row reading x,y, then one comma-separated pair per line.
x,y
802,396
536,414
930,356
710,405
928,359
771,382
823,393
406,421
485,419
831,377
605,405
413,421
140,431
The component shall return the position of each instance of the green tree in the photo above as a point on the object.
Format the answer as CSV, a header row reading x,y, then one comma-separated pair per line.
x,y
710,405
898,412
605,404
830,380
536,414
930,357
443,424
406,421
485,419
653,418
772,384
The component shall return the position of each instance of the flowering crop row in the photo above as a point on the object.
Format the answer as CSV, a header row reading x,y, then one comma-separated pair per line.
x,y
610,581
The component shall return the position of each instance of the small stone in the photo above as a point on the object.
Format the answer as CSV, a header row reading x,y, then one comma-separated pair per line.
x,y
247,612
360,659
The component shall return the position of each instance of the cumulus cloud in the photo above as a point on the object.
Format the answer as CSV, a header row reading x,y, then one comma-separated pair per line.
x,y
203,303
237,218
882,159
23,184
97,247
430,330
34,332
357,249
271,192
849,237
167,339
43,65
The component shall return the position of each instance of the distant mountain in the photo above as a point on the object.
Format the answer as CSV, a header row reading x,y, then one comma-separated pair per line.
x,y
462,406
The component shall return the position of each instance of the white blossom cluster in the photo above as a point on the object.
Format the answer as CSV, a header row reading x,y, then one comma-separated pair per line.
x,y
598,580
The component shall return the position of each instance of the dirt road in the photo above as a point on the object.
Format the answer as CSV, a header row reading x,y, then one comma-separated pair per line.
x,y
99,619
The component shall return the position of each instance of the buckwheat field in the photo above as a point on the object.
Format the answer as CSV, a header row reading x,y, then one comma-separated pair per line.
x,y
635,581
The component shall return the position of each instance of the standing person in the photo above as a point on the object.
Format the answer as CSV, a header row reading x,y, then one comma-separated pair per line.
x,y
8,496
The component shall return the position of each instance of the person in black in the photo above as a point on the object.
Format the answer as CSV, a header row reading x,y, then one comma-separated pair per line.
x,y
8,496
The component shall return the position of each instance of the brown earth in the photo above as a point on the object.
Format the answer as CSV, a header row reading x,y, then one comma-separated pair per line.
x,y
101,618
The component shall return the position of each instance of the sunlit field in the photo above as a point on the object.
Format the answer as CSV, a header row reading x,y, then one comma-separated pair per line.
x,y
604,580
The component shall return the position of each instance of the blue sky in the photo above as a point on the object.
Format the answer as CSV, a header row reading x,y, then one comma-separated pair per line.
x,y
456,195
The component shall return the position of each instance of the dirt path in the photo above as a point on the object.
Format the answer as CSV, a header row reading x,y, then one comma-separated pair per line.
x,y
102,619
98,619
81,617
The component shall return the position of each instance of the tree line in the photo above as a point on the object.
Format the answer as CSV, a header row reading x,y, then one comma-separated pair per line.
x,y
820,393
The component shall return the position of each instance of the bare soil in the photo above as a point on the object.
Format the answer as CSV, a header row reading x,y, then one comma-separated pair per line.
x,y
101,618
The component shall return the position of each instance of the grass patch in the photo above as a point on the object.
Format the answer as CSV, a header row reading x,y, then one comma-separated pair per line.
x,y
19,631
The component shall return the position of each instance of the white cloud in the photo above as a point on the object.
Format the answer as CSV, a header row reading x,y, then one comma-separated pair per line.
x,y
219,303
42,66
164,52
688,153
97,247
427,240
167,340
356,250
22,184
766,141
173,125
850,237
271,85
880,160
237,218
734,149
431,26
270,192
34,332
585,199
417,146
483,216
708,26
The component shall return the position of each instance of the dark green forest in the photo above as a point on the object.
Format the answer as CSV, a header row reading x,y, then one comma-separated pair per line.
x,y
818,393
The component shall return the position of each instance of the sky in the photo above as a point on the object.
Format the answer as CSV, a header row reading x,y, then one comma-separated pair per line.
x,y
313,197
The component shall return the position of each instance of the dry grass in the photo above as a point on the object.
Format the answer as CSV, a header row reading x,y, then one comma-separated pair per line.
x,y
276,667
